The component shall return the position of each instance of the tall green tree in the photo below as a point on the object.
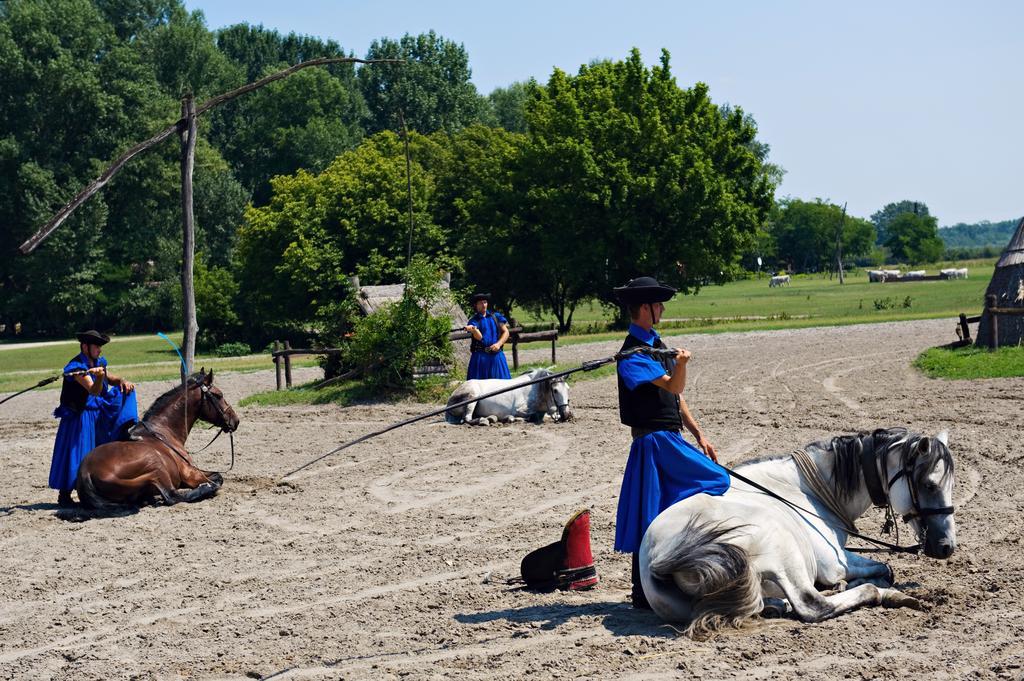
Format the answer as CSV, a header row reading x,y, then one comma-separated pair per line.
x,y
295,254
432,88
509,105
304,121
82,82
477,205
914,238
805,235
644,176
884,217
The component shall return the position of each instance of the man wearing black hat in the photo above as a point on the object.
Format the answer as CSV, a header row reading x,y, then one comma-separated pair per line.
x,y
95,407
663,468
489,331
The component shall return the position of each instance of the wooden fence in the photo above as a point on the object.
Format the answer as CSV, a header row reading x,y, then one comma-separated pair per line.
x,y
282,356
994,313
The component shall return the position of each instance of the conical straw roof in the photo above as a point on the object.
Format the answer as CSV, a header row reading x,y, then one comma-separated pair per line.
x,y
1014,253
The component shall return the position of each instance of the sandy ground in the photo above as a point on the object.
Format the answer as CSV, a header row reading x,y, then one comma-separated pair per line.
x,y
389,560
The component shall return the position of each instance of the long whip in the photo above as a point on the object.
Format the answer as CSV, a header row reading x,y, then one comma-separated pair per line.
x,y
586,366
45,381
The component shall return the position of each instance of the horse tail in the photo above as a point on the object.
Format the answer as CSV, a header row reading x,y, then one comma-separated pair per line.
x,y
719,581
91,499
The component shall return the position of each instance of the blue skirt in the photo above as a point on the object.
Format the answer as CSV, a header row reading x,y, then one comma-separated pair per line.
x,y
78,434
662,469
488,365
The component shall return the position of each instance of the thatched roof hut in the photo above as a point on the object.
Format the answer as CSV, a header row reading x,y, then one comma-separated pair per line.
x,y
1007,286
372,298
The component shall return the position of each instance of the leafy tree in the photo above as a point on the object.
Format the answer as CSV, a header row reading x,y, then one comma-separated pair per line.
x,y
133,18
216,291
432,88
476,203
652,178
509,105
80,84
185,57
914,238
979,234
261,51
805,235
883,218
296,253
304,121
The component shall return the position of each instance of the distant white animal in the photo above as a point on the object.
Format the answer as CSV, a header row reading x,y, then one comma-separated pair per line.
x,y
876,275
778,281
915,274
960,273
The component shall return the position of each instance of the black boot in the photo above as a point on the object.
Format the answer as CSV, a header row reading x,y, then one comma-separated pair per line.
x,y
639,599
64,499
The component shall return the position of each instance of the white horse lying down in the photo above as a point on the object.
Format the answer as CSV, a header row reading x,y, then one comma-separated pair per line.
x,y
710,562
529,402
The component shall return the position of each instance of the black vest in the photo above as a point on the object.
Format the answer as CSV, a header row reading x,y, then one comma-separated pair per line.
x,y
648,406
73,395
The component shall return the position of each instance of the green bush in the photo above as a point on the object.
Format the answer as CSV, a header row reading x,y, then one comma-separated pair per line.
x,y
232,350
395,339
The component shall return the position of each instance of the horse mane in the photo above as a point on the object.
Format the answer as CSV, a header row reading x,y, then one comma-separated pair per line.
x,y
161,403
846,451
924,460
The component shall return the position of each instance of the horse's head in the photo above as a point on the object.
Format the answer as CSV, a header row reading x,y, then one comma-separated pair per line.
x,y
560,395
556,392
920,485
213,408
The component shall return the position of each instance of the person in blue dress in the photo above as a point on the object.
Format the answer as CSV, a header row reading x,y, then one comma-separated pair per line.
x,y
662,468
489,331
95,407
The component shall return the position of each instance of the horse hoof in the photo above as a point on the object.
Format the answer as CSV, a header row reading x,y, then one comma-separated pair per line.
x,y
898,599
216,478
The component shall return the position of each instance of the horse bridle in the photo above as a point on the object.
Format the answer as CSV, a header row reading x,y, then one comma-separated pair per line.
x,y
562,408
870,460
205,395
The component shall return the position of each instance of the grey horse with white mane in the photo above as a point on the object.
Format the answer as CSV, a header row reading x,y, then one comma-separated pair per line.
x,y
710,562
530,402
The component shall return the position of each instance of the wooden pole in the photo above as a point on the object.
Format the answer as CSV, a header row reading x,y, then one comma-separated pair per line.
x,y
288,365
965,329
993,341
408,184
553,359
277,364
839,245
515,354
188,227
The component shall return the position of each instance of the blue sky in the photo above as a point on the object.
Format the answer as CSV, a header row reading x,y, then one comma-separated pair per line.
x,y
865,103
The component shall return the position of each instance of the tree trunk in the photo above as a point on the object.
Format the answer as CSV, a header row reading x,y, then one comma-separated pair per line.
x,y
188,251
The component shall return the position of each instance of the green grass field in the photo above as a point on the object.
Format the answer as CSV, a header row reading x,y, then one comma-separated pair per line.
x,y
137,358
817,299
971,362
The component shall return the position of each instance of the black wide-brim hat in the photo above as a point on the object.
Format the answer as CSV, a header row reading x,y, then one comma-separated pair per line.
x,y
93,337
644,290
479,296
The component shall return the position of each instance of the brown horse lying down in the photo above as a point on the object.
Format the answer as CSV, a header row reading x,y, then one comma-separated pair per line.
x,y
117,475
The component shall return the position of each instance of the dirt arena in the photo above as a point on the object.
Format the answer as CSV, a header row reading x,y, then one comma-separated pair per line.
x,y
390,559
